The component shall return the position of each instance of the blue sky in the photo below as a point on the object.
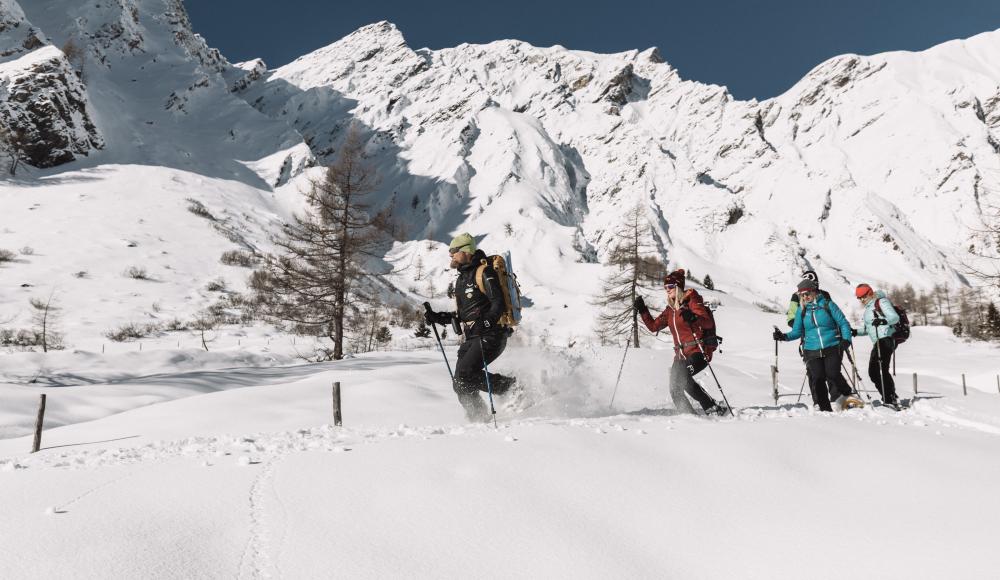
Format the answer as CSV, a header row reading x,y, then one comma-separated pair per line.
x,y
756,48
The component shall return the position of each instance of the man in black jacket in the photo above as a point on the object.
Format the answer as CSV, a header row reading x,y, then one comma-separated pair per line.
x,y
478,313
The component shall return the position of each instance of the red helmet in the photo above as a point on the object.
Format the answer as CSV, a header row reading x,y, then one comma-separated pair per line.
x,y
862,290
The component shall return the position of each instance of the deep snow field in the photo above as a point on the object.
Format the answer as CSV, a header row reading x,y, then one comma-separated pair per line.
x,y
177,463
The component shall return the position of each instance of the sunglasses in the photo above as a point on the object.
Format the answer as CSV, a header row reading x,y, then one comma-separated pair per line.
x,y
670,286
454,251
806,293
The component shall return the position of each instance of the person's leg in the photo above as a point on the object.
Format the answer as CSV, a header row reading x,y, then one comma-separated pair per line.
x,y
873,370
695,364
887,346
816,372
468,379
839,387
678,382
493,347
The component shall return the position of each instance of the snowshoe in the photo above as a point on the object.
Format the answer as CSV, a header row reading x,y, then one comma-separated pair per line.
x,y
845,402
717,410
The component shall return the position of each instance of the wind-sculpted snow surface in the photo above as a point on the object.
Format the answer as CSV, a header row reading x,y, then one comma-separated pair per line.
x,y
243,475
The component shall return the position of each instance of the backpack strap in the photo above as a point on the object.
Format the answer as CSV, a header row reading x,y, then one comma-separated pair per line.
x,y
480,271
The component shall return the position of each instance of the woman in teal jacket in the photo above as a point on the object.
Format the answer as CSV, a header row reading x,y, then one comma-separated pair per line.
x,y
880,320
825,334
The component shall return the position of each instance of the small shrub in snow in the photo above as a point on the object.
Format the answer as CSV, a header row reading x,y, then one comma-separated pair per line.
x,y
6,256
132,331
217,285
81,274
199,209
27,251
175,325
136,273
240,258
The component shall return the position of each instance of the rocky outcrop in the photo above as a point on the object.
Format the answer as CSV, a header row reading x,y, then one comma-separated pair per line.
x,y
43,102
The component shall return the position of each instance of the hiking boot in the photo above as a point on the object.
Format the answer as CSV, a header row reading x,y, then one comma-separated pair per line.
x,y
718,409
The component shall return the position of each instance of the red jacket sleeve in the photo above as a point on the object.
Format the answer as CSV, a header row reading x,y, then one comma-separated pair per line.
x,y
657,324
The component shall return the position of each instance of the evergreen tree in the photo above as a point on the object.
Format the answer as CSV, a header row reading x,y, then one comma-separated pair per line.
x,y
621,287
708,283
311,281
992,321
422,331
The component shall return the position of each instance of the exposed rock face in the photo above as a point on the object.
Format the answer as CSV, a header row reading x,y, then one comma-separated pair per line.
x,y
43,101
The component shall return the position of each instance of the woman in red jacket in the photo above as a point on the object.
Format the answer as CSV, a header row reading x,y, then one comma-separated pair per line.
x,y
688,319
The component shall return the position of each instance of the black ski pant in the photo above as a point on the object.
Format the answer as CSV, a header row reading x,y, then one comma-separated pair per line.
x,y
823,370
470,377
682,381
878,368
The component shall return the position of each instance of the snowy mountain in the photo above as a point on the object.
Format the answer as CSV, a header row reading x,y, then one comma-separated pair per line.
x,y
870,168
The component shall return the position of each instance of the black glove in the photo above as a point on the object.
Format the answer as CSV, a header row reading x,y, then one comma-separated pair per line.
x,y
845,345
878,322
778,335
639,304
442,318
855,332
688,316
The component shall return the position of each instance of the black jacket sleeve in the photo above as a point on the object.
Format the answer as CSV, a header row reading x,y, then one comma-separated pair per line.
x,y
494,293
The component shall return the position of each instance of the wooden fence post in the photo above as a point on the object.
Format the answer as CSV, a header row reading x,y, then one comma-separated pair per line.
x,y
337,418
914,383
965,391
37,444
998,383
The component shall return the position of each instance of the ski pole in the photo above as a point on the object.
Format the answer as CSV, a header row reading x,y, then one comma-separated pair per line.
x,y
628,343
774,373
427,306
717,383
489,387
851,356
802,389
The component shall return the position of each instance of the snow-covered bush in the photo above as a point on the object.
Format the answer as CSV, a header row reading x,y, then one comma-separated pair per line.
x,y
217,285
240,258
6,256
136,273
199,209
132,331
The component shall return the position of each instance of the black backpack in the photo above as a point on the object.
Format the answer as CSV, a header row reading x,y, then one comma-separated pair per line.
x,y
902,331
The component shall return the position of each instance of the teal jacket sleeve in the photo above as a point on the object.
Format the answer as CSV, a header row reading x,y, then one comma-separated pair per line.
x,y
841,320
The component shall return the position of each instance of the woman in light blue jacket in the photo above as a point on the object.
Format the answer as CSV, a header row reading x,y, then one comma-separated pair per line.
x,y
825,334
880,320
